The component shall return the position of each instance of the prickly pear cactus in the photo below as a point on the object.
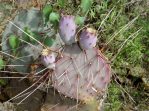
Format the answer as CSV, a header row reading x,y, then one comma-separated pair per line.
x,y
78,69
27,52
82,75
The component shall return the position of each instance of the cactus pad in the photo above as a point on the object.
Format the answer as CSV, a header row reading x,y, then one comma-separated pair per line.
x,y
88,38
31,19
82,75
67,29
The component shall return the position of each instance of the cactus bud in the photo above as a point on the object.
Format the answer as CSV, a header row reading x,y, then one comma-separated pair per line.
x,y
48,58
88,38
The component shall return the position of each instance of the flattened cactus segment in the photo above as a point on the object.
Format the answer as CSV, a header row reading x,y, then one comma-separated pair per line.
x,y
88,38
67,29
33,20
83,75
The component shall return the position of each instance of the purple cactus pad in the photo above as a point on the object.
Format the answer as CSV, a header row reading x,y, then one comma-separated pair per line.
x,y
82,75
67,29
88,38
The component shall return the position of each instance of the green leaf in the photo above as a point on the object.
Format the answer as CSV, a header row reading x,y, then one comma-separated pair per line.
x,y
2,63
36,36
54,17
86,5
26,37
79,20
46,11
49,41
14,41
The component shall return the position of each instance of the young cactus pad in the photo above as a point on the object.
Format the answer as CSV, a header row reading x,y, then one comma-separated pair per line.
x,y
67,29
82,75
48,58
88,38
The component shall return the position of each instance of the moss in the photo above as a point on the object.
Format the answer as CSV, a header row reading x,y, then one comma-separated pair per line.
x,y
114,101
